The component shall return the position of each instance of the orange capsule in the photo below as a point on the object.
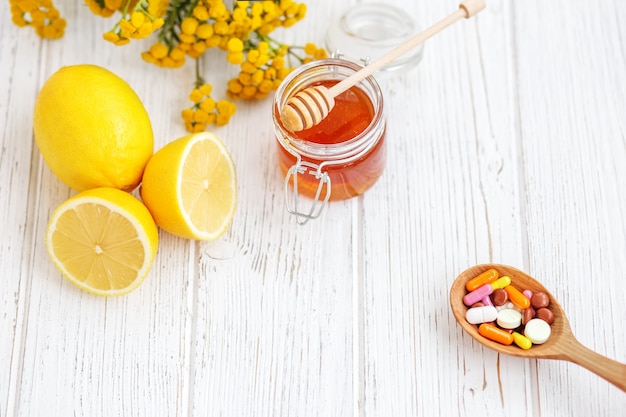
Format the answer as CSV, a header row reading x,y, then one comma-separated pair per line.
x,y
486,277
517,298
496,334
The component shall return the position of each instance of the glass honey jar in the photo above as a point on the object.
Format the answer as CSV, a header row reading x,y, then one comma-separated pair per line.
x,y
342,156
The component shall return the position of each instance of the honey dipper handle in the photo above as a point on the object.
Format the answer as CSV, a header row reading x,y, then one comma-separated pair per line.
x,y
466,9
609,369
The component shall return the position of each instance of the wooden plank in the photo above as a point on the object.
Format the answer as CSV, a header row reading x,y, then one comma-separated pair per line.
x,y
450,191
273,334
84,355
19,73
571,68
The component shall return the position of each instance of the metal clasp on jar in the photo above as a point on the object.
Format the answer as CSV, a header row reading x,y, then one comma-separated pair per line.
x,y
317,206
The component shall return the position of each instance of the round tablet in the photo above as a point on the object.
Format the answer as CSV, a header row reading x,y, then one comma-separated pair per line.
x,y
509,318
537,330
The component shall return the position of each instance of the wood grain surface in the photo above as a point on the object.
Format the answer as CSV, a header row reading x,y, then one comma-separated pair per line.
x,y
507,144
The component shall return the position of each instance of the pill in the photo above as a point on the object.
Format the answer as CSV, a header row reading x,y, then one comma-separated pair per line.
x,y
537,330
517,297
545,314
499,297
486,277
528,315
477,295
509,318
491,332
478,304
528,294
501,282
478,315
506,305
485,290
522,341
539,300
486,300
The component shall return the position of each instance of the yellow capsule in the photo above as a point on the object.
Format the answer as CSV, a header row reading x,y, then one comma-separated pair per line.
x,y
501,282
522,341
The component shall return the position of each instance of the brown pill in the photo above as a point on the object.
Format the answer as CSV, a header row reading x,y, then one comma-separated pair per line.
x,y
545,314
539,300
477,304
527,315
499,297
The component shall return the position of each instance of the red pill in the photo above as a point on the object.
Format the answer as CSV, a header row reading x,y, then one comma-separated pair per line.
x,y
499,297
528,315
540,300
545,314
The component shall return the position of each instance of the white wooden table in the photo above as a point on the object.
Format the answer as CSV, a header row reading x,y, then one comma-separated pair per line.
x,y
506,144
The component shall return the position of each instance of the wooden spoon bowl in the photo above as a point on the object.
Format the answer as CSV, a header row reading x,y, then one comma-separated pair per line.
x,y
561,345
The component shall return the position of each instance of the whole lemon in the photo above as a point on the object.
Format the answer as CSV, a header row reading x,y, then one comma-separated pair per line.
x,y
92,129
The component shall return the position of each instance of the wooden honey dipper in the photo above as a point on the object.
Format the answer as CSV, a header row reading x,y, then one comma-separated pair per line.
x,y
311,105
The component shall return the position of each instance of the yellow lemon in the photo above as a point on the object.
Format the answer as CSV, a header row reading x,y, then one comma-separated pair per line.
x,y
103,240
92,129
190,187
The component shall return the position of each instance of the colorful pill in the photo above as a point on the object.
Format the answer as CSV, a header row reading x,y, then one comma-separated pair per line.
x,y
501,282
522,341
528,294
509,318
486,300
491,332
483,314
537,330
545,315
485,290
477,294
517,297
486,277
499,297
539,300
528,315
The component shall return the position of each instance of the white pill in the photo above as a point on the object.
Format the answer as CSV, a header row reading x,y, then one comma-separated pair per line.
x,y
509,318
506,306
481,314
537,330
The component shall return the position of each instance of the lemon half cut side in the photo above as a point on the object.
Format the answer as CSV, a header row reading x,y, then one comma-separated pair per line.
x,y
103,240
190,187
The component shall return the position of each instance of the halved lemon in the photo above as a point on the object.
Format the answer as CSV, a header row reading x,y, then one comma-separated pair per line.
x,y
103,240
190,187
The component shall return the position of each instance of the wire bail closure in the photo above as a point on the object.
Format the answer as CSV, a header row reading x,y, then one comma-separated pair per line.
x,y
317,206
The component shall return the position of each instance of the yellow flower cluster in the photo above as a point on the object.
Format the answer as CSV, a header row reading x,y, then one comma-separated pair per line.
x,y
264,67
189,28
41,15
138,20
205,110
104,8
202,24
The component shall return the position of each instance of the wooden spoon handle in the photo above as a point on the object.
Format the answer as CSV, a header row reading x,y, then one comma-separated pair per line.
x,y
609,369
466,9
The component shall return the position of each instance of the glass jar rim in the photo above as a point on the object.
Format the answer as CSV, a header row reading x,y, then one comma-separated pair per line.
x,y
336,151
366,31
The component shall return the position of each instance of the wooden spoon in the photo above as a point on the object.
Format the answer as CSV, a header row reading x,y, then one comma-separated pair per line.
x,y
310,106
561,345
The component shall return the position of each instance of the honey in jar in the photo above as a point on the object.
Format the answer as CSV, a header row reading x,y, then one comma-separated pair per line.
x,y
342,156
